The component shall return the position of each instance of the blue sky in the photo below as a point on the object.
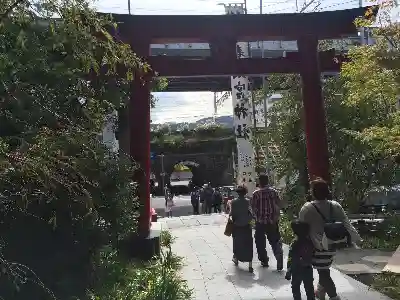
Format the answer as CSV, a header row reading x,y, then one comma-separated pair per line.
x,y
189,106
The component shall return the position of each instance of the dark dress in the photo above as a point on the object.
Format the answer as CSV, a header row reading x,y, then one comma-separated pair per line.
x,y
242,234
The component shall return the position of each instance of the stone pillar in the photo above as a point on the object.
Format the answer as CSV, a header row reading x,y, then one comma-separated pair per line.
x,y
139,141
243,116
314,110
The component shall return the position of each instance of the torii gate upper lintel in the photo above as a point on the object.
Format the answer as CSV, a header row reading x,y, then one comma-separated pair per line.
x,y
224,31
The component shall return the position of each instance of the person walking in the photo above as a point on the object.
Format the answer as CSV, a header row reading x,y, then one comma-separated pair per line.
x,y
316,213
167,190
299,264
241,231
206,198
217,200
194,199
152,187
265,206
169,204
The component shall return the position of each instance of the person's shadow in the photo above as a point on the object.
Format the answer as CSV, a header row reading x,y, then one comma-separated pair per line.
x,y
271,278
241,277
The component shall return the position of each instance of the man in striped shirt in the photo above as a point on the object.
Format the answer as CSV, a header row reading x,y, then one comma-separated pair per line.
x,y
265,206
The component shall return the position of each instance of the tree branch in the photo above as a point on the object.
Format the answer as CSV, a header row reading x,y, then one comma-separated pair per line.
x,y
307,6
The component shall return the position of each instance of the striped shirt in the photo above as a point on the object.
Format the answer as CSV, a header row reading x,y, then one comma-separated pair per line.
x,y
265,205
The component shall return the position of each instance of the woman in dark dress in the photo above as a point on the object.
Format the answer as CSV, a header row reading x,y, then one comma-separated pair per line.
x,y
242,231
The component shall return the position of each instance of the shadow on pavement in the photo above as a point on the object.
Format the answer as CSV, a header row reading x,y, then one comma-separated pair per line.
x,y
242,277
178,211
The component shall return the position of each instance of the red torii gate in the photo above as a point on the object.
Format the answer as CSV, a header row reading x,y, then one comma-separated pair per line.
x,y
223,32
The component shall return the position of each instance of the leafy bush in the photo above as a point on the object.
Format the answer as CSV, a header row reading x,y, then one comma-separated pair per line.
x,y
294,194
211,130
386,238
166,238
63,194
155,280
388,283
65,212
286,229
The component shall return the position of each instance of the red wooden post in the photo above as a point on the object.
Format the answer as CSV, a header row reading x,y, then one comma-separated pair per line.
x,y
139,123
314,111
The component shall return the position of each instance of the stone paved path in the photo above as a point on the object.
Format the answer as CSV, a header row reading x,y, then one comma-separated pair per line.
x,y
361,261
210,272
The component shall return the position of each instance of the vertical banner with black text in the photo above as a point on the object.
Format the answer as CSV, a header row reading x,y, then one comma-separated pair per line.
x,y
243,117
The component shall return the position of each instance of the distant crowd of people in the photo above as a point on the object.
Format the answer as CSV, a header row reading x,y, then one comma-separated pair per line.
x,y
204,200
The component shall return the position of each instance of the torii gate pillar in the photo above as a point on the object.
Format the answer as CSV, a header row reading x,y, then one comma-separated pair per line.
x,y
139,143
314,111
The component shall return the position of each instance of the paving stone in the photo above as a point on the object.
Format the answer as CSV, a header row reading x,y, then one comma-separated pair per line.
x,y
210,272
190,222
373,260
394,263
174,223
376,259
355,269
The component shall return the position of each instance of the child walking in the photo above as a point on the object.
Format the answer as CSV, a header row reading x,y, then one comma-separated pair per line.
x,y
299,265
169,203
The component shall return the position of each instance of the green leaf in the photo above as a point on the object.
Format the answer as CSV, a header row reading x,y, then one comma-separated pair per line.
x,y
129,75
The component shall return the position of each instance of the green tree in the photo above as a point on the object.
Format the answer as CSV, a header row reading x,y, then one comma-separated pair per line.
x,y
378,92
63,194
284,136
360,110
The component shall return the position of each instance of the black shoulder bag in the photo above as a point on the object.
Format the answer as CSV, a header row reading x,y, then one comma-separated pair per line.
x,y
334,230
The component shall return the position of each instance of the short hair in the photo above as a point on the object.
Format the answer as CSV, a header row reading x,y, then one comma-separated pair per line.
x,y
320,189
241,190
300,229
263,179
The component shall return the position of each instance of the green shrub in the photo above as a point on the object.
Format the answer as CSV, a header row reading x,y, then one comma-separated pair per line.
x,y
166,238
387,237
57,225
63,194
155,280
212,130
388,284
286,229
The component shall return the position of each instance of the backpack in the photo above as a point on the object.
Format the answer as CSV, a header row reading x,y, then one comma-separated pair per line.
x,y
335,232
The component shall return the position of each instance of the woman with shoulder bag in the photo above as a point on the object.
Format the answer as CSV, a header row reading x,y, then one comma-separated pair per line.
x,y
242,237
330,229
